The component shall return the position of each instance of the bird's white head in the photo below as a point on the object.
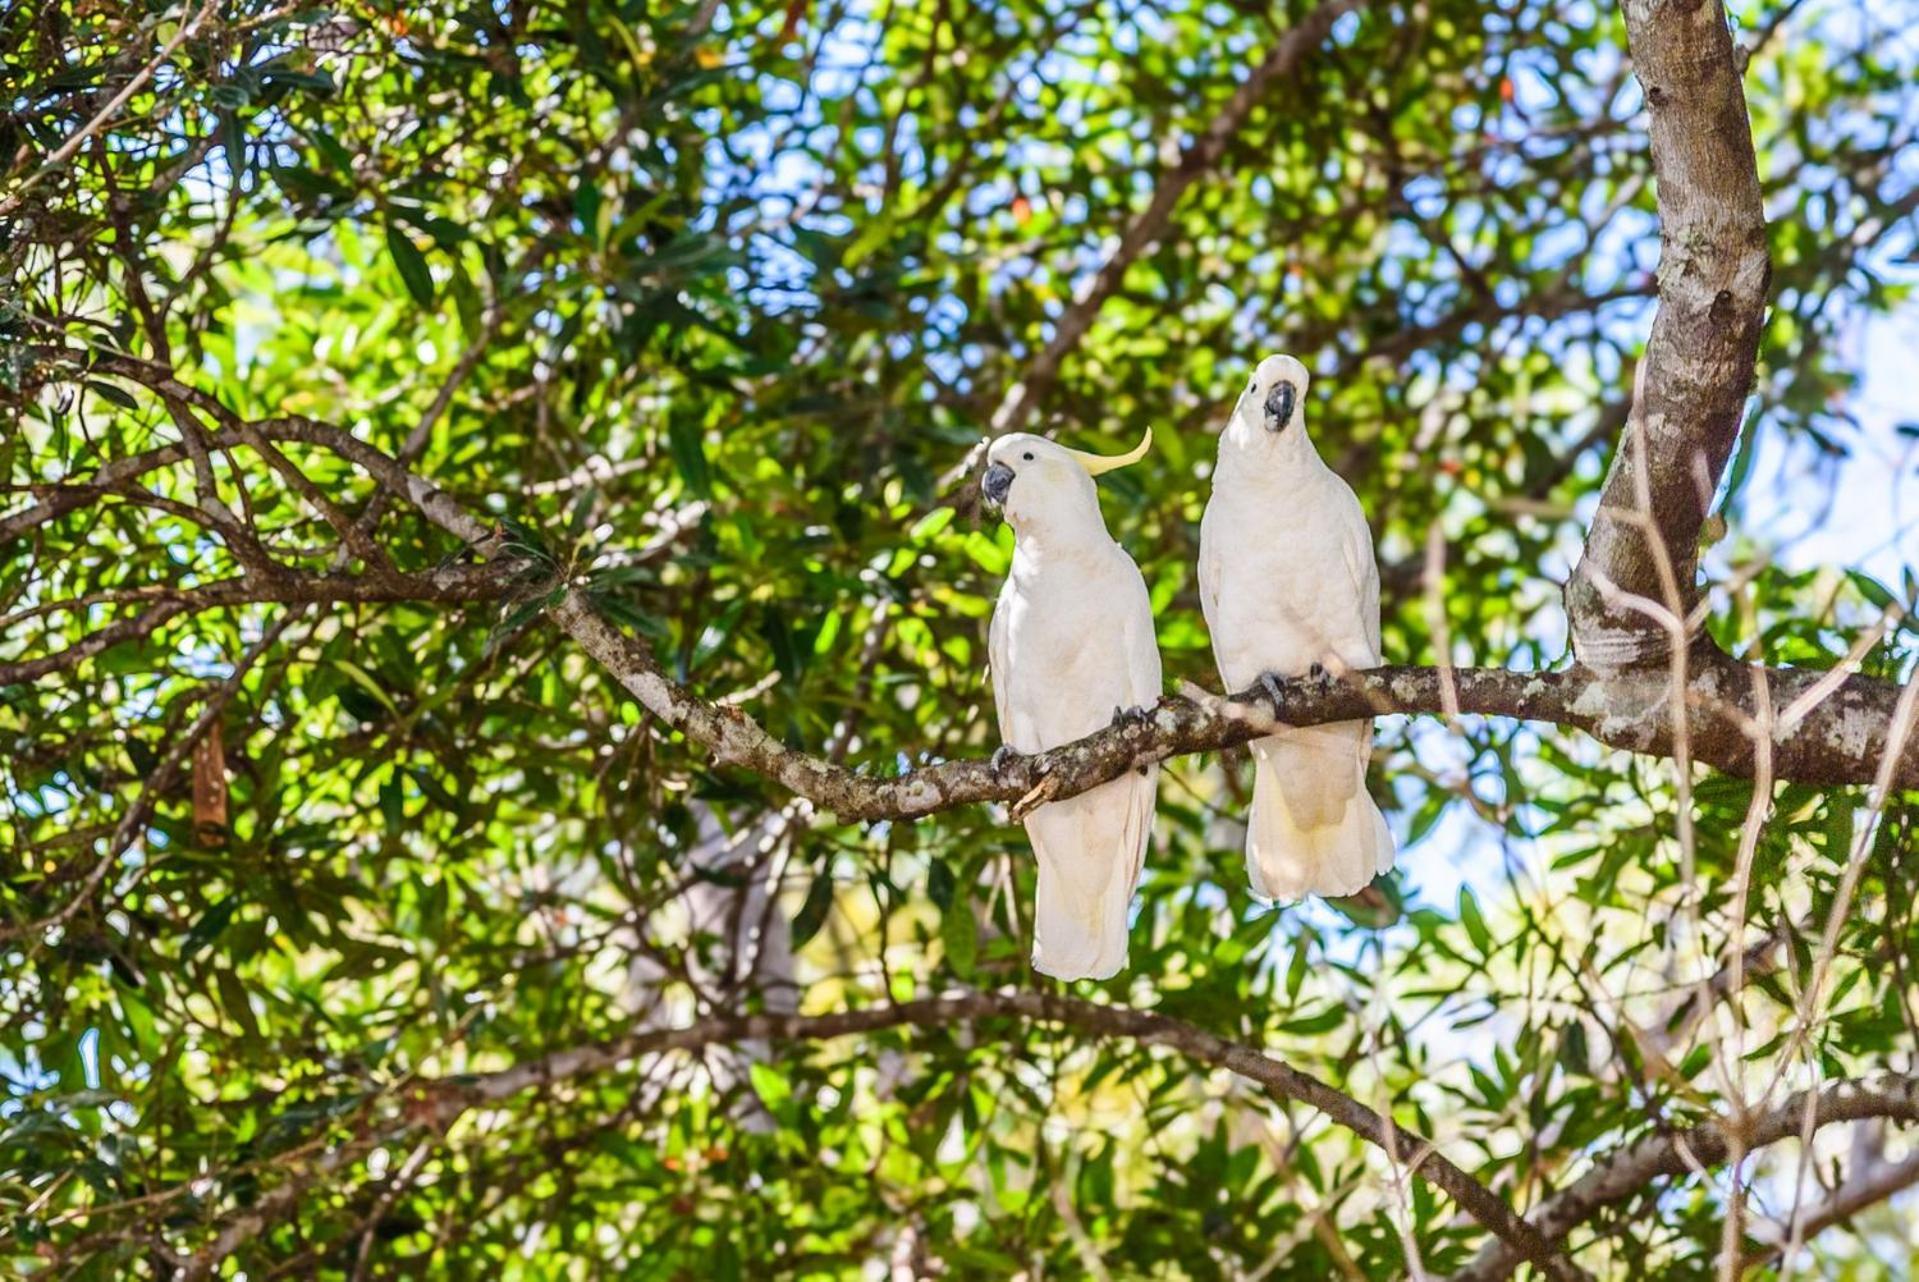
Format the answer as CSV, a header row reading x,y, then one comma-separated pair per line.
x,y
1270,417
1047,489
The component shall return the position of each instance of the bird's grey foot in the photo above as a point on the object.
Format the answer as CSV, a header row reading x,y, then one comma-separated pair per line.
x,y
1131,716
1317,672
1269,682
1001,758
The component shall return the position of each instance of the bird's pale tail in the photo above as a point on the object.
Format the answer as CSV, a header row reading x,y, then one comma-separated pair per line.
x,y
1313,842
1090,850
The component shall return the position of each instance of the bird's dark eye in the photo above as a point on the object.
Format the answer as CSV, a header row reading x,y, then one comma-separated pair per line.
x,y
1028,456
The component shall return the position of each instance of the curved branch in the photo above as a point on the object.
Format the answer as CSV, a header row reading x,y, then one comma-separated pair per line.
x,y
1861,1191
435,1104
1840,741
1628,1172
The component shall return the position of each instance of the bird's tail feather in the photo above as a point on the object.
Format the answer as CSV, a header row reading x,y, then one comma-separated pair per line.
x,y
1090,850
1287,859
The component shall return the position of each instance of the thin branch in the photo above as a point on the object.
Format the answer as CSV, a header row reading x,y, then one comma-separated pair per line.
x,y
1859,1192
1630,1172
133,822
1202,157
71,147
453,583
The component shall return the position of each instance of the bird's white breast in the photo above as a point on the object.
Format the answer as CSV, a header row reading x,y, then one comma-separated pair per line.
x,y
1065,668
1284,594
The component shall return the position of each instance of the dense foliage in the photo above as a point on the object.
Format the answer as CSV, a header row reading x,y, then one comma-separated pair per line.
x,y
704,307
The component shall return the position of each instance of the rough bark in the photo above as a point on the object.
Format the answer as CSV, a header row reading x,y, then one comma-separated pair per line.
x,y
1840,740
1826,729
1714,271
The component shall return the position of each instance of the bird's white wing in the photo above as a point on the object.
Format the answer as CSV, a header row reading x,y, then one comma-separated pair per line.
x,y
1145,681
1090,848
1209,576
999,669
1362,569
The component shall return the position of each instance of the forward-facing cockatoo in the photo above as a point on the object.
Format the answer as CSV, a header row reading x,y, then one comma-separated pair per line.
x,y
1288,583
1072,649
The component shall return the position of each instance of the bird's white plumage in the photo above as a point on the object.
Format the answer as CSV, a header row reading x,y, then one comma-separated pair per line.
x,y
1288,580
1072,641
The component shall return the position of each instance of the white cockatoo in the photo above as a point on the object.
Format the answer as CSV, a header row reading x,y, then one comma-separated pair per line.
x,y
1288,584
1072,649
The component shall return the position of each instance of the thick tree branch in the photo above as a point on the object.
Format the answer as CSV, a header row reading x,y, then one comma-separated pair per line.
x,y
1840,741
1713,277
1827,728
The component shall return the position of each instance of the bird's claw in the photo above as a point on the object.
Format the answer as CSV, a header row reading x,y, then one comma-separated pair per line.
x,y
1269,682
1001,758
1317,672
1131,716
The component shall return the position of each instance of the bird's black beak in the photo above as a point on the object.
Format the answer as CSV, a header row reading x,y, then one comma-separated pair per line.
x,y
1279,406
997,481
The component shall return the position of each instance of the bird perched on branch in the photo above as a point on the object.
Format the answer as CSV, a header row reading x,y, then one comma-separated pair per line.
x,y
1072,648
1289,585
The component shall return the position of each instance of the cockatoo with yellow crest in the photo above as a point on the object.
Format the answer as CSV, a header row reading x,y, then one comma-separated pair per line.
x,y
1289,585
1072,649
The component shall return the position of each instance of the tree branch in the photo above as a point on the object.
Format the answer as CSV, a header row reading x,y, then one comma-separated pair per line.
x,y
450,584
1840,741
1837,738
436,1104
1714,273
1860,1191
1629,1172
1195,162
71,147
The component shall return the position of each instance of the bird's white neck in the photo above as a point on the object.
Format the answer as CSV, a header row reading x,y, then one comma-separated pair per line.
x,y
1249,455
1059,530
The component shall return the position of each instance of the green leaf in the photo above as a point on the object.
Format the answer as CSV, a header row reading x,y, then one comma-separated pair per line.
x,y
1839,827
112,395
365,680
1475,924
930,524
959,932
466,301
812,914
1573,1051
233,996
207,929
1296,972
770,1085
940,883
411,263
1313,1025
686,443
